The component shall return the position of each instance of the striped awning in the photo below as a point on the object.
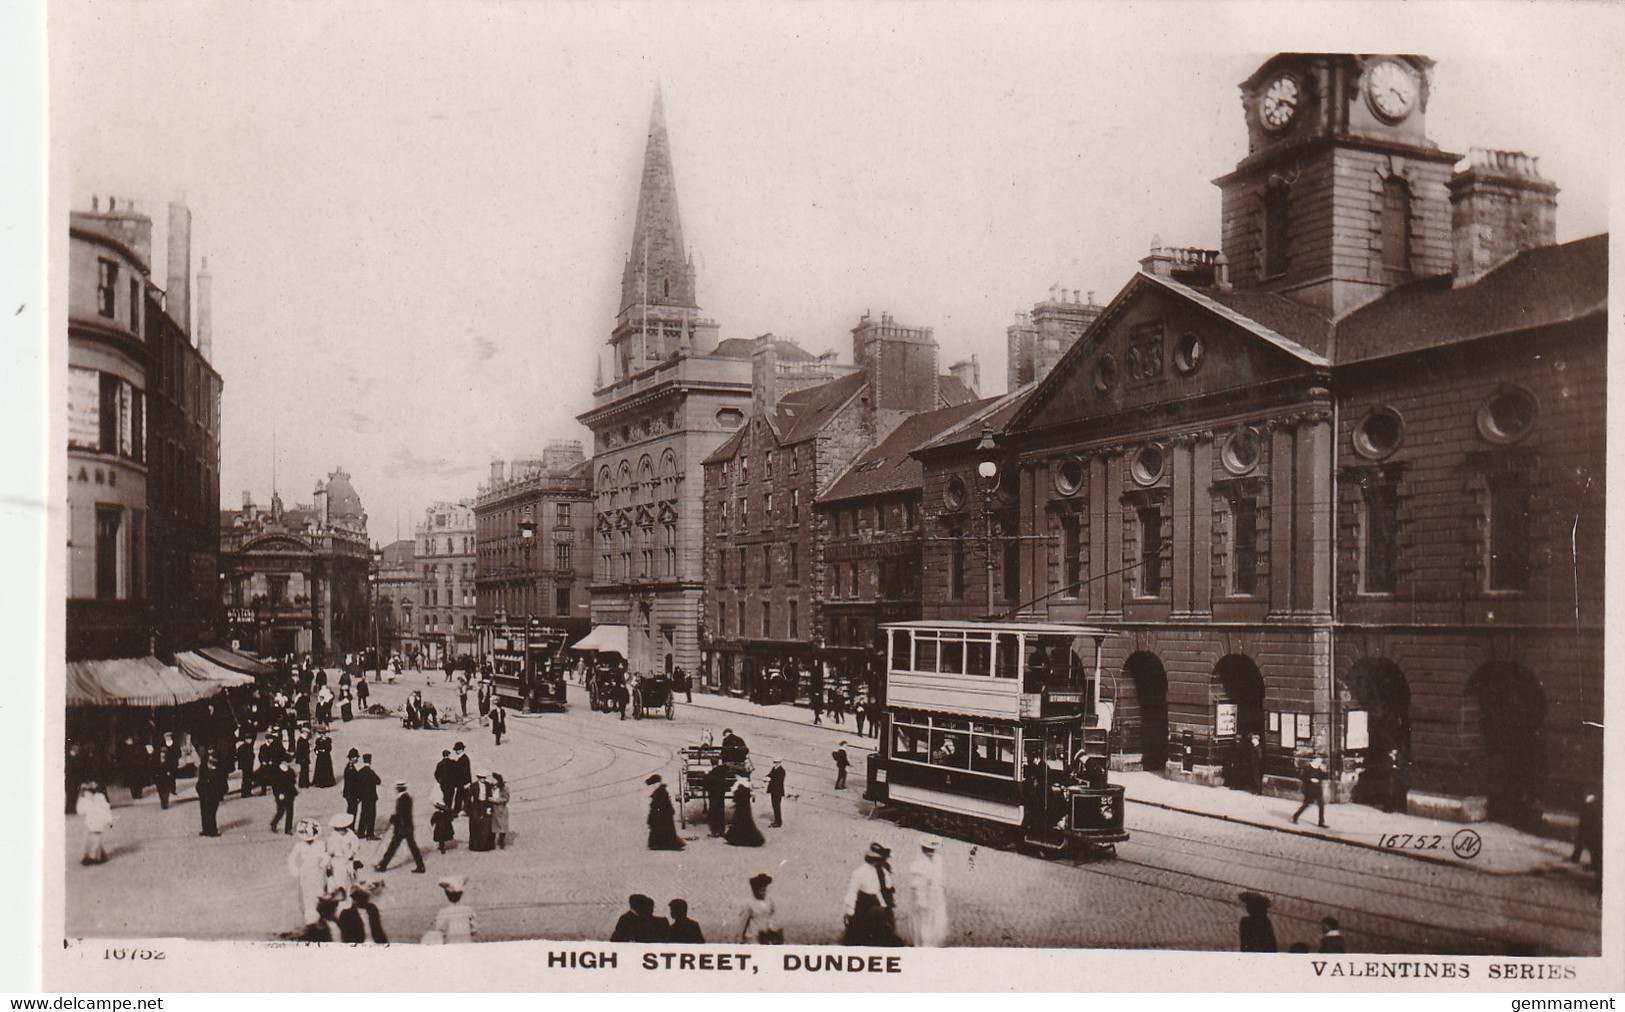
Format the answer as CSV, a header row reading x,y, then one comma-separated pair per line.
x,y
134,681
234,661
196,665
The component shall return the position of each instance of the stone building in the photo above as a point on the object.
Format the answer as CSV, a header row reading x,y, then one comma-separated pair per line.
x,y
143,442
1038,339
443,547
395,596
873,541
1338,485
810,418
543,575
295,581
674,395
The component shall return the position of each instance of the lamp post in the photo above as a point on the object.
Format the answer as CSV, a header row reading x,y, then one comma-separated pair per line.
x,y
987,470
377,632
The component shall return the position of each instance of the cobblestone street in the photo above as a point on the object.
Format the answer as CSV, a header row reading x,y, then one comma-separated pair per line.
x,y
577,850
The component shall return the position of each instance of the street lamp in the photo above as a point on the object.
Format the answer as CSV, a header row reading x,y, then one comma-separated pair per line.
x,y
987,469
374,589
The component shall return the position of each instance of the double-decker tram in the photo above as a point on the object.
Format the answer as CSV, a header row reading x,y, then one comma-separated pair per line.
x,y
1001,724
528,663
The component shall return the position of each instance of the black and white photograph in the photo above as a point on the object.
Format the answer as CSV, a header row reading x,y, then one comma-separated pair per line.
x,y
727,496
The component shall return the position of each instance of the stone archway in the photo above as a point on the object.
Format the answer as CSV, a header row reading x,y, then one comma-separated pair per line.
x,y
1379,688
1511,757
1142,709
1241,685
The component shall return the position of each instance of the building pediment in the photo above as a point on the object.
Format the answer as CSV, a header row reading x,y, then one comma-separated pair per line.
x,y
1164,347
276,544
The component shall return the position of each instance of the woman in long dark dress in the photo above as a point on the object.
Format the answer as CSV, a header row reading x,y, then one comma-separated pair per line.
x,y
480,836
742,831
662,830
323,777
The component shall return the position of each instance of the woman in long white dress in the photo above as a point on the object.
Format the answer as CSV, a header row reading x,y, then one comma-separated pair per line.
x,y
927,897
307,863
455,922
343,855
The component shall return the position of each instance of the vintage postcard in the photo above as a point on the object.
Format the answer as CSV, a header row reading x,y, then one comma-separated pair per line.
x,y
714,496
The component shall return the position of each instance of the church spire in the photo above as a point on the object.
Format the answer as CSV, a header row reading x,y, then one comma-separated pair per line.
x,y
657,268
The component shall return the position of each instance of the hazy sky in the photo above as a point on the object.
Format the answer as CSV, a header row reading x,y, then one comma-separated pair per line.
x,y
416,213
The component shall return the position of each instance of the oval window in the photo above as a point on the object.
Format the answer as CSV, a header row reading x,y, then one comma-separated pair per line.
x,y
1380,434
1189,354
1242,450
954,495
1507,416
1105,375
1149,464
1069,476
730,417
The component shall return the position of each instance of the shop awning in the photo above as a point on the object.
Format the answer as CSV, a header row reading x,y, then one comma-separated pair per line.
x,y
234,661
606,639
134,681
196,665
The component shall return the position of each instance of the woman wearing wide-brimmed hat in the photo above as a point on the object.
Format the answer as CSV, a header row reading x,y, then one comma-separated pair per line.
x,y
307,863
662,828
742,831
94,809
927,896
761,921
1257,934
455,922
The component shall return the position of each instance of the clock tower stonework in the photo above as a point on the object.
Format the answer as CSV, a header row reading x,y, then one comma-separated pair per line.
x,y
1341,195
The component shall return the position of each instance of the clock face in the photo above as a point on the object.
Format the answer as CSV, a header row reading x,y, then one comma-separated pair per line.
x,y
1281,100
1392,90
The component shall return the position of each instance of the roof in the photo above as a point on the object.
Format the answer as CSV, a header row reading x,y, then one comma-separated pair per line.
x,y
952,391
888,467
398,553
342,499
969,625
1274,308
1536,288
800,415
742,347
996,412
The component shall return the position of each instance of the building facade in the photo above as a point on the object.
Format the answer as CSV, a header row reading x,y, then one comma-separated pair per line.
x,y
1336,485
443,547
296,581
1038,339
674,395
533,527
395,596
143,443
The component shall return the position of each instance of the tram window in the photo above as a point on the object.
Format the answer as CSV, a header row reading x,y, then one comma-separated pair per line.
x,y
901,652
908,742
950,748
925,652
1009,656
952,661
978,655
994,752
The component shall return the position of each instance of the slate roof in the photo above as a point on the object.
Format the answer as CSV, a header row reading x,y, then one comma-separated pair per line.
x,y
887,467
1537,288
952,391
741,347
800,415
996,411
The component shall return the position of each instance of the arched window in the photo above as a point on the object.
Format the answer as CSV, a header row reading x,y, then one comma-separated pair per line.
x,y
1396,228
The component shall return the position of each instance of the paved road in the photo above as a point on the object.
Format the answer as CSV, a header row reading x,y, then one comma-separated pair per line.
x,y
578,851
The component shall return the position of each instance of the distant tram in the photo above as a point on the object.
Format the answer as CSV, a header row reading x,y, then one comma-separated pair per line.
x,y
1000,723
528,662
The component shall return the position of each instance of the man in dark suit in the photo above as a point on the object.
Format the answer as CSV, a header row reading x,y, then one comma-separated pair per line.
x,y
775,791
301,756
352,800
367,783
211,789
359,922
445,775
284,789
402,830
462,776
245,765
1312,780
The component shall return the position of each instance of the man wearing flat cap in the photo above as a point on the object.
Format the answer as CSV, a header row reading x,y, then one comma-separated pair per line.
x,y
775,792
871,903
402,830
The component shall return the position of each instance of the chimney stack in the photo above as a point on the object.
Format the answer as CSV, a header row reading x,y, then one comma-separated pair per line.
x,y
764,375
1499,206
320,496
968,372
178,292
497,464
562,454
205,335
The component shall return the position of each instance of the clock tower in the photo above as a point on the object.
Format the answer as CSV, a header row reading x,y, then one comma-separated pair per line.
x,y
1341,195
